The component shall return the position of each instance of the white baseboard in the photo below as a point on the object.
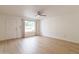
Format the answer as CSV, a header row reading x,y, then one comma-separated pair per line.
x,y
61,38
9,39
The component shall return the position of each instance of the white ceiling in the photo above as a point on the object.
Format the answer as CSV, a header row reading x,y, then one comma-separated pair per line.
x,y
30,11
20,10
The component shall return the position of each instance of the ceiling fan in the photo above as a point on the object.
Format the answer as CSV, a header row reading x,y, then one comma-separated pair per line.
x,y
40,13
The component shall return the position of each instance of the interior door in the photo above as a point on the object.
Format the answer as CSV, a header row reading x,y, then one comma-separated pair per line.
x,y
11,28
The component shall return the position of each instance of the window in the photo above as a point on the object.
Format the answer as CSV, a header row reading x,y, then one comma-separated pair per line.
x,y
29,26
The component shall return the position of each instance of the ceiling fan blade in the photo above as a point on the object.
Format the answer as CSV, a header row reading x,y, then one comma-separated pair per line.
x,y
43,15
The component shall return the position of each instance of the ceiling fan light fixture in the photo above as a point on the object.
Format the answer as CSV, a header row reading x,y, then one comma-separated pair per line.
x,y
38,17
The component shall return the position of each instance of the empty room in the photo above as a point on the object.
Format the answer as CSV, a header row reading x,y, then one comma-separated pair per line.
x,y
39,29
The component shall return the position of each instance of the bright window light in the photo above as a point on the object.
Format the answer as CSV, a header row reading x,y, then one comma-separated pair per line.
x,y
29,26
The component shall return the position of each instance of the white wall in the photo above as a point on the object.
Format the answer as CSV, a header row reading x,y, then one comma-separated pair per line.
x,y
37,27
10,27
64,27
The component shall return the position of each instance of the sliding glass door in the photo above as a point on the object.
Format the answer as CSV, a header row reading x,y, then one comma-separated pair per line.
x,y
30,28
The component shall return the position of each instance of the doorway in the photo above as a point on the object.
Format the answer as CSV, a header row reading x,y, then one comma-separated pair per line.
x,y
29,28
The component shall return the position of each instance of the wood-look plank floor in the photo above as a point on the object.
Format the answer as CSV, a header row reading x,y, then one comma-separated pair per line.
x,y
38,45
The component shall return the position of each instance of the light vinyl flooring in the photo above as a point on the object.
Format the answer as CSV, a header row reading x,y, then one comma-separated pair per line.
x,y
38,45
